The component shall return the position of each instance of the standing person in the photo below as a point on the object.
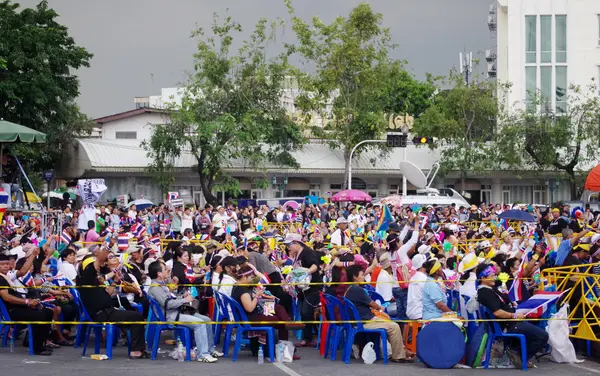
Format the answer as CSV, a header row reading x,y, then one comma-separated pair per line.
x,y
339,236
176,219
99,303
203,334
245,220
306,257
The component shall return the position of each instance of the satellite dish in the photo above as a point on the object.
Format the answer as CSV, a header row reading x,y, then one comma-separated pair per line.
x,y
413,174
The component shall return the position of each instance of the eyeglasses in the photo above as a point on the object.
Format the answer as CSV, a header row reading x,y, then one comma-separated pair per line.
x,y
112,256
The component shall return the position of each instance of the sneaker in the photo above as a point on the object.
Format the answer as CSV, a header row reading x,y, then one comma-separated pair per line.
x,y
530,364
207,358
217,354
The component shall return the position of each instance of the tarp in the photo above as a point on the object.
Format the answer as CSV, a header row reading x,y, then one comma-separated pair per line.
x,y
11,132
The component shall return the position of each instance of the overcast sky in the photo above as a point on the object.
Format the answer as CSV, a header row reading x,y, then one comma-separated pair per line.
x,y
140,46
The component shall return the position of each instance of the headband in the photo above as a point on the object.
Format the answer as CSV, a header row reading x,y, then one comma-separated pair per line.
x,y
246,273
491,269
435,268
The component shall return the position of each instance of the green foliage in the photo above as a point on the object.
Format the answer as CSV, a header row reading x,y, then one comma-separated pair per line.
x,y
231,111
463,120
564,141
355,82
38,86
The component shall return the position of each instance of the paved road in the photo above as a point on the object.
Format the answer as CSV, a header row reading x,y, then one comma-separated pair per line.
x,y
68,361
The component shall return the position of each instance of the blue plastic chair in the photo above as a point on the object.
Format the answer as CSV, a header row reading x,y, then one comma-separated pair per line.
x,y
112,332
495,332
5,328
471,324
223,317
184,331
296,317
336,332
239,315
353,315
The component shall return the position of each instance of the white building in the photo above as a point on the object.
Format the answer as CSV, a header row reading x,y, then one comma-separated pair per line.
x,y
546,45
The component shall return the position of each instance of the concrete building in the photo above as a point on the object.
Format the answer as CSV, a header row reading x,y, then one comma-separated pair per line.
x,y
116,154
545,45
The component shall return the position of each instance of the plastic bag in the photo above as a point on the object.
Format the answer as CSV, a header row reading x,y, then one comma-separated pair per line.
x,y
288,351
558,332
368,353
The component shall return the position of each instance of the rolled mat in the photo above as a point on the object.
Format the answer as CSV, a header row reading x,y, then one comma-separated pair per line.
x,y
441,345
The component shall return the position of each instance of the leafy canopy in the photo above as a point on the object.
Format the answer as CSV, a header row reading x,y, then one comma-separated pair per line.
x,y
462,119
38,85
564,139
231,111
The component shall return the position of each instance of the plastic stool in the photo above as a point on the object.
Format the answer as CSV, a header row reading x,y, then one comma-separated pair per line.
x,y
412,328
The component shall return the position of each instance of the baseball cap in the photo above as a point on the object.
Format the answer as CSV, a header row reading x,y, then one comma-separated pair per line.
x,y
291,238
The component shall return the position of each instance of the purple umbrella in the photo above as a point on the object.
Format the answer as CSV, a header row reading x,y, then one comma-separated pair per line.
x,y
351,195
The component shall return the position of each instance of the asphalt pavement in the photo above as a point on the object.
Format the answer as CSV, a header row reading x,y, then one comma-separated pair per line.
x,y
68,361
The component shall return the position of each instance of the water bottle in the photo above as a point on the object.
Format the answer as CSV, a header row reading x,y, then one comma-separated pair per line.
x,y
280,350
11,344
180,351
261,355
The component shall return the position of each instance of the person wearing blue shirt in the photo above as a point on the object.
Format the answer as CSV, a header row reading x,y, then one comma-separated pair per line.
x,y
434,297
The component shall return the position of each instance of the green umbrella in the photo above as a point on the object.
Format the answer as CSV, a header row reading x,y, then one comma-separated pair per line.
x,y
11,132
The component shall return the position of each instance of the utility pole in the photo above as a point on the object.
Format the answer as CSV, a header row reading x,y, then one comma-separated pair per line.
x,y
466,65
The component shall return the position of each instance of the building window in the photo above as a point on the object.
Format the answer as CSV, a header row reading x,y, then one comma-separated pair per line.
x,y
561,90
545,39
125,135
530,85
530,39
335,186
560,30
546,86
486,195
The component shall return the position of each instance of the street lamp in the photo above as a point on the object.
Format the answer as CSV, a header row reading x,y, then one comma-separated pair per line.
x,y
404,131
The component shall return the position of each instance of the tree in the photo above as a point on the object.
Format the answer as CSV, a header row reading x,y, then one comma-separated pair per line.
x,y
355,82
231,110
544,139
38,86
463,121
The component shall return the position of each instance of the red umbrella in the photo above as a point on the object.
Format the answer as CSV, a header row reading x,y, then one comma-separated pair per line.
x,y
592,183
351,195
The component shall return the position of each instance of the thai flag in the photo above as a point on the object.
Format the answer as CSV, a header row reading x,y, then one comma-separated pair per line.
x,y
108,230
27,280
3,203
155,240
138,230
516,290
264,280
424,220
65,238
538,304
123,241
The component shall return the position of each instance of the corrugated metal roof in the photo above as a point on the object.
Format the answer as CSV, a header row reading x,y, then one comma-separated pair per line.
x,y
129,156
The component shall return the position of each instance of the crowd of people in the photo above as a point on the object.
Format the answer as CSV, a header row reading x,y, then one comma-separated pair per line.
x,y
277,263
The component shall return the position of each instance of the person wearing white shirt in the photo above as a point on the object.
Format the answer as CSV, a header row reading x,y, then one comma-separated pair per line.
x,y
339,237
414,307
386,282
220,218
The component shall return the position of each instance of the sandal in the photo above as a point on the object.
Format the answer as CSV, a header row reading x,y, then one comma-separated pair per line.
x,y
65,343
405,360
144,355
306,344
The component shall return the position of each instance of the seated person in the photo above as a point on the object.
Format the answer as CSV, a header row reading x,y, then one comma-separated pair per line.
x,y
434,296
23,309
360,298
386,282
97,300
202,333
499,304
250,298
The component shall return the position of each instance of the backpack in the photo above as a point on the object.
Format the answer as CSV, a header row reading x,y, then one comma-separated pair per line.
x,y
404,273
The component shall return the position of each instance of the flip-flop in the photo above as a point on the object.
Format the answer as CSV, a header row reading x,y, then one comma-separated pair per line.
x,y
406,360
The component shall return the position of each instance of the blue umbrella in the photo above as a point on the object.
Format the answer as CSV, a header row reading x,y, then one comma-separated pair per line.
x,y
517,215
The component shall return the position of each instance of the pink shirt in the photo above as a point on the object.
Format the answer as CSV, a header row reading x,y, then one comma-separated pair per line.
x,y
91,236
